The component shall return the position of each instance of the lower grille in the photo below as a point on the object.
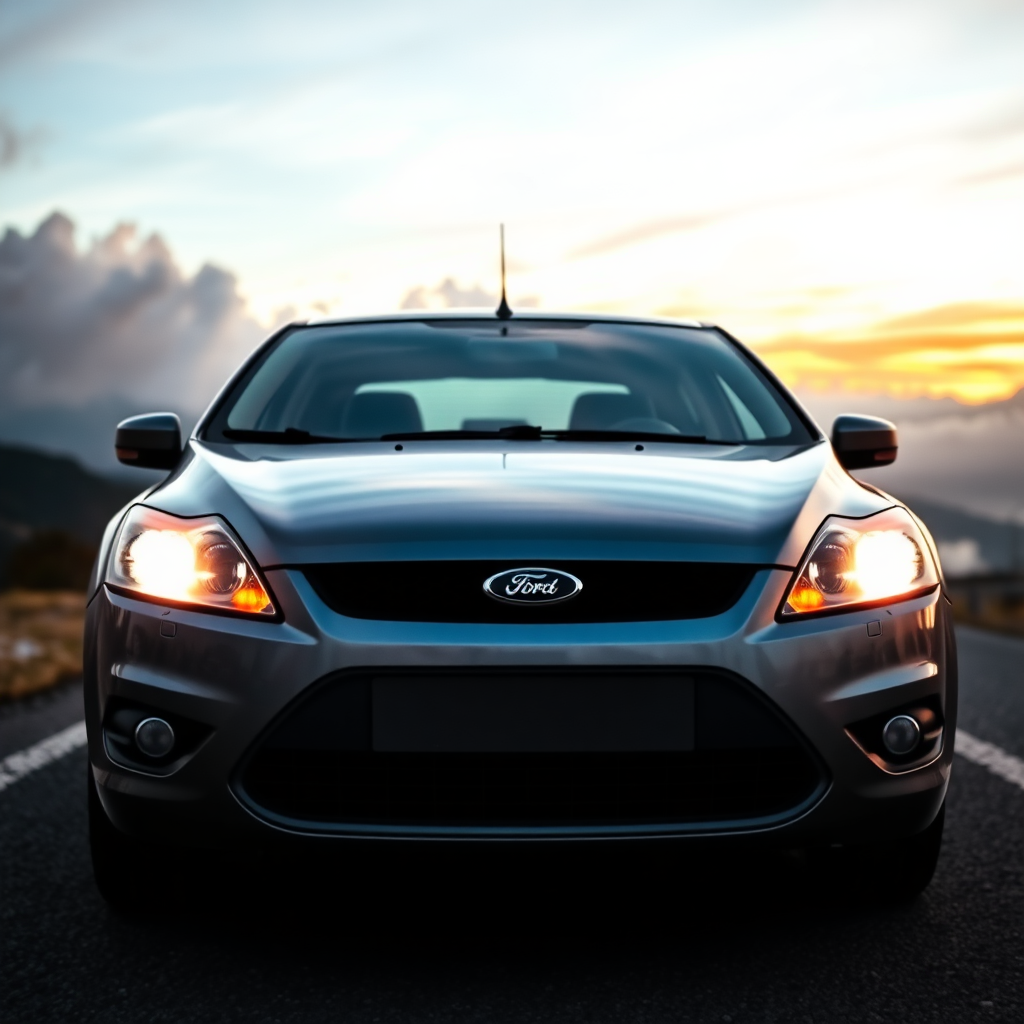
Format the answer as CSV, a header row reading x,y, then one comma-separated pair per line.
x,y
529,789
316,768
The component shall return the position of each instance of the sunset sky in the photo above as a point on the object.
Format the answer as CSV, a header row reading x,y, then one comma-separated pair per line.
x,y
840,184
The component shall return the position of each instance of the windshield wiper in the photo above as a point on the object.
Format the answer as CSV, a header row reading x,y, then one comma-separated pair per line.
x,y
290,435
625,435
515,432
523,432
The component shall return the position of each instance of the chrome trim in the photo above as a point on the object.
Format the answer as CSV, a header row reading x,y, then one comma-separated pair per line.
x,y
527,570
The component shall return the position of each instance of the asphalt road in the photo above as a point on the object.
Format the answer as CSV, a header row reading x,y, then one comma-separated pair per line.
x,y
708,940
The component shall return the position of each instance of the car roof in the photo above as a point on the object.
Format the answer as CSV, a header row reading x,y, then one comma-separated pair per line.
x,y
486,313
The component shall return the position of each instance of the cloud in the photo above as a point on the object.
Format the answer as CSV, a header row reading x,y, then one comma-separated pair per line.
x,y
962,456
973,351
15,143
962,557
1005,172
119,319
448,295
650,230
62,22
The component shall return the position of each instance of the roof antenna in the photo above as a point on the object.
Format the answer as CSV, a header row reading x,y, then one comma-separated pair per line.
x,y
504,310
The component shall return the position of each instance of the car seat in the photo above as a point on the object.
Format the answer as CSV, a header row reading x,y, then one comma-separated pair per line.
x,y
374,413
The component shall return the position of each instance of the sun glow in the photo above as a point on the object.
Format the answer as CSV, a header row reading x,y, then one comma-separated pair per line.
x,y
971,352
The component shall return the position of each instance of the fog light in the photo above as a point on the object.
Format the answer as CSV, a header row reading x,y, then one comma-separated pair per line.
x,y
901,735
155,737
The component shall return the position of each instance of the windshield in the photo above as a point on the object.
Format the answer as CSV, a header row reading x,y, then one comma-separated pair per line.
x,y
478,378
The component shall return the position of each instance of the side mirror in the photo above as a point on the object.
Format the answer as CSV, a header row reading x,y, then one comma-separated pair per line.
x,y
861,442
152,441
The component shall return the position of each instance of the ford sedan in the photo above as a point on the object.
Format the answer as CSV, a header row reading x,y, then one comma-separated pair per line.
x,y
515,579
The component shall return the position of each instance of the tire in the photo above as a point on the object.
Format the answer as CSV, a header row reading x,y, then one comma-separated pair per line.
x,y
901,871
118,861
894,872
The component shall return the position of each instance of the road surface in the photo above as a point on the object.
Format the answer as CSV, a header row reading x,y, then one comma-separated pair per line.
x,y
712,941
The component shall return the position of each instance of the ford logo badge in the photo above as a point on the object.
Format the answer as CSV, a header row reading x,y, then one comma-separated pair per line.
x,y
532,586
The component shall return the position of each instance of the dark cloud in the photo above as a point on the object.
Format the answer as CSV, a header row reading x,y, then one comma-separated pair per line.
x,y
14,142
61,22
119,319
963,456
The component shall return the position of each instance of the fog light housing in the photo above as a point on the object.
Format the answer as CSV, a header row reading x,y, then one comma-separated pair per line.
x,y
901,735
154,737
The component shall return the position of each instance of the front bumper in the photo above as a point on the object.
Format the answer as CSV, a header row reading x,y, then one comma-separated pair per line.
x,y
235,676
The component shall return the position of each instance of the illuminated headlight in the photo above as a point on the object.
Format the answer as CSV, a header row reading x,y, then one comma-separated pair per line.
x,y
188,561
860,562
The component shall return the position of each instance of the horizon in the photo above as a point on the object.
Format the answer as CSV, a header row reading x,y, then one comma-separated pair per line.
x,y
838,184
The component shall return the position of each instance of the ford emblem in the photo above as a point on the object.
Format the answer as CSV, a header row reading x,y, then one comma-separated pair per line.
x,y
532,586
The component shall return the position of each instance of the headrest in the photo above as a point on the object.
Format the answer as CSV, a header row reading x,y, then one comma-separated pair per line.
x,y
599,410
374,413
491,424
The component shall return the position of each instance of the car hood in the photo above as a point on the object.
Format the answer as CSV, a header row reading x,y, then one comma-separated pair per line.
x,y
531,501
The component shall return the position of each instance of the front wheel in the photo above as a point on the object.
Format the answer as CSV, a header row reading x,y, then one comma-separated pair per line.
x,y
902,870
894,872
128,872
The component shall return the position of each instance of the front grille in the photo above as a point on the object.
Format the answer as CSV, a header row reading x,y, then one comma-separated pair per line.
x,y
453,591
316,769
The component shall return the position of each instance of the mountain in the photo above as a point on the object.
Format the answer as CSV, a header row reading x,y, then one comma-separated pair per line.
x,y
968,543
42,492
85,432
967,457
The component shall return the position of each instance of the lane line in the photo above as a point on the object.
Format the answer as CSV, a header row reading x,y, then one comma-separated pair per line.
x,y
989,756
24,762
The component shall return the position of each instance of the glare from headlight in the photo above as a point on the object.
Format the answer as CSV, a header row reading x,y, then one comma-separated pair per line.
x,y
886,563
853,562
196,561
162,563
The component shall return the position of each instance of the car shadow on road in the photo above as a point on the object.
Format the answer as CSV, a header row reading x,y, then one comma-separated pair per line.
x,y
442,903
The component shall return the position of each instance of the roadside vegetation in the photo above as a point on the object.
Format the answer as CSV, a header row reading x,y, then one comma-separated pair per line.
x,y
42,615
1000,614
40,639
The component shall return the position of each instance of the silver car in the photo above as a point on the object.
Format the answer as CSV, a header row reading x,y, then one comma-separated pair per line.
x,y
515,579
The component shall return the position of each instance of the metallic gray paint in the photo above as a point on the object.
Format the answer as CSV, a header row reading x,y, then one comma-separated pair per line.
x,y
235,675
515,500
532,502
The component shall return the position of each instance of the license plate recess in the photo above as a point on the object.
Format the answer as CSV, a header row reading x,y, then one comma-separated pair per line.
x,y
533,713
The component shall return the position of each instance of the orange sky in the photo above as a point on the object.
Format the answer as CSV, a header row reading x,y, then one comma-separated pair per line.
x,y
970,351
840,184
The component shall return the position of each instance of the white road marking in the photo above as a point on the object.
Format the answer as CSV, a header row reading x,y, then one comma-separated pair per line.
x,y
17,766
24,762
989,756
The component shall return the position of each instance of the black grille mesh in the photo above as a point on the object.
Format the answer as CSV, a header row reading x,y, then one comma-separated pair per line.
x,y
529,789
453,591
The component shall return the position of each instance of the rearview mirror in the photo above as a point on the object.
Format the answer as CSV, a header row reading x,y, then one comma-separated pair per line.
x,y
152,441
861,442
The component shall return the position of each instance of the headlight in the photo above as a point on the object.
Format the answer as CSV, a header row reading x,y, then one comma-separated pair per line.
x,y
189,561
854,562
